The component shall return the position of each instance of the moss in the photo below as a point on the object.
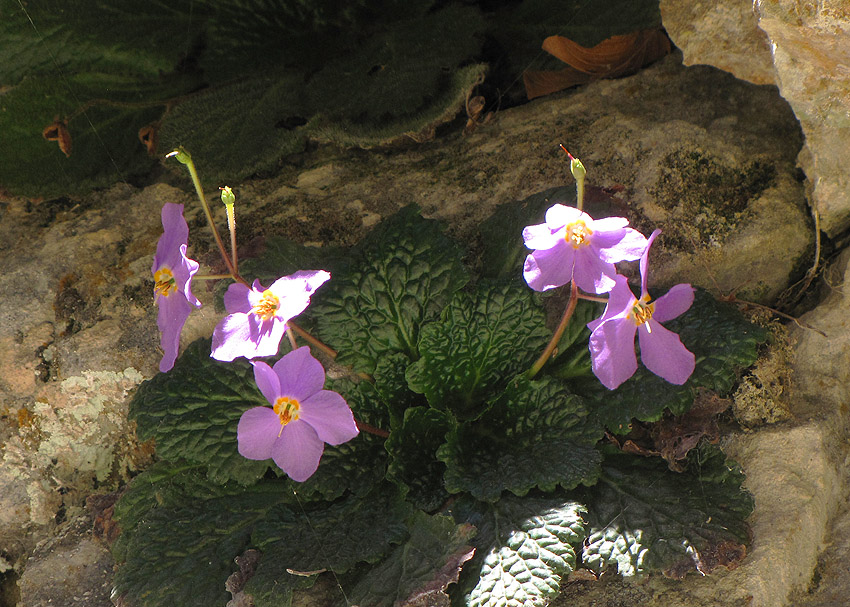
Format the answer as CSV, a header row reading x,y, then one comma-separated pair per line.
x,y
705,197
762,396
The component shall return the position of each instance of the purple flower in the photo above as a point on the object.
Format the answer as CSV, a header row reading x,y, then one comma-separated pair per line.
x,y
302,419
571,245
258,316
172,273
612,341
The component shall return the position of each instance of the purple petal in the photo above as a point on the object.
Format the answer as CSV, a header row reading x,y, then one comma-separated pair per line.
x,y
301,376
551,268
608,224
620,301
172,315
298,450
630,245
612,351
230,336
257,433
644,260
183,274
664,354
267,381
330,417
540,237
674,303
592,274
560,215
294,291
236,299
175,232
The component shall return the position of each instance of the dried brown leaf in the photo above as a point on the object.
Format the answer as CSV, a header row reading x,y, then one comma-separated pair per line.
x,y
613,57
58,131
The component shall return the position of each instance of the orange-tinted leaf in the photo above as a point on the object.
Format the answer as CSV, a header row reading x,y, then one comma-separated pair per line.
x,y
58,132
149,136
613,57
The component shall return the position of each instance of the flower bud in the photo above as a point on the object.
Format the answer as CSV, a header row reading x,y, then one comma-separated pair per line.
x,y
227,196
182,156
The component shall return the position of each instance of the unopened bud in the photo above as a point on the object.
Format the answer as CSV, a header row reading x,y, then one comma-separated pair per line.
x,y
227,196
181,155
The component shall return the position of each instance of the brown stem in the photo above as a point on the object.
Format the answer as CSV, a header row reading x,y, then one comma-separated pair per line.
x,y
364,427
553,343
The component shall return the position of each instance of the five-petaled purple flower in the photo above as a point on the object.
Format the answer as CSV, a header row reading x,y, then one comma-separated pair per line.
x,y
172,273
302,419
612,341
258,316
571,245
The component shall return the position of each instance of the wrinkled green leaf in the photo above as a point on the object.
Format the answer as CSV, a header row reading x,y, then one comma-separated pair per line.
x,y
402,277
391,384
537,434
412,447
724,344
193,411
643,517
524,548
484,338
419,569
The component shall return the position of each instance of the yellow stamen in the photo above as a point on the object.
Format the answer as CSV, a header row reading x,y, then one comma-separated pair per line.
x,y
642,312
165,283
287,410
578,234
268,305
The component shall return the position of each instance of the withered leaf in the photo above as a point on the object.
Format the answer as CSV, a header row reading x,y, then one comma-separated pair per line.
x,y
58,131
613,57
149,136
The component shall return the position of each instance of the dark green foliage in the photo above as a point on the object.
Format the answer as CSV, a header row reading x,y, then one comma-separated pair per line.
x,y
423,566
643,517
536,434
193,410
722,340
399,280
413,447
486,336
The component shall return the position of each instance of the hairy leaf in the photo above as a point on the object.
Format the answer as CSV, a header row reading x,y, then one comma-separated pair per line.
x,y
485,337
643,517
524,548
193,411
537,434
412,447
418,572
402,276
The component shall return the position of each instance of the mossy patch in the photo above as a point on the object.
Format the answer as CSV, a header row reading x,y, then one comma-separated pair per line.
x,y
705,197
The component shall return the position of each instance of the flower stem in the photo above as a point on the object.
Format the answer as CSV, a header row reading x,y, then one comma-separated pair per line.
x,y
553,343
185,158
310,339
364,427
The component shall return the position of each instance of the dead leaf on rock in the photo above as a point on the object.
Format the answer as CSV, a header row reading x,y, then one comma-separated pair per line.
x,y
433,593
58,132
149,136
613,57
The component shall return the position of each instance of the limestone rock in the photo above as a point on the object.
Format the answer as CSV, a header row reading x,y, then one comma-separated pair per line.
x,y
722,33
811,53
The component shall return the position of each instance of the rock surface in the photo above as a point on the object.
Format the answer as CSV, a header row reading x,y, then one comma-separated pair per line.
x,y
722,33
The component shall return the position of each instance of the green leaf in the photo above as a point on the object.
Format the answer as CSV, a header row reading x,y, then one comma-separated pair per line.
x,y
193,411
537,434
236,130
413,447
391,384
524,548
180,551
336,536
402,276
724,344
485,337
421,568
643,517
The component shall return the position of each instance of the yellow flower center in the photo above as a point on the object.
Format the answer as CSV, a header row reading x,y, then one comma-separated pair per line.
x,y
578,234
287,410
268,305
165,283
642,312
